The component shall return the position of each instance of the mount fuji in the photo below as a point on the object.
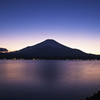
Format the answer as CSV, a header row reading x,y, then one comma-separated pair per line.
x,y
49,49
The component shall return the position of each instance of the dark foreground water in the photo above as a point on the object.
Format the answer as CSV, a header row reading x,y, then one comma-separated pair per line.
x,y
48,80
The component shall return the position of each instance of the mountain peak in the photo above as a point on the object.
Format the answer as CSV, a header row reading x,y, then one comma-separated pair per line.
x,y
49,40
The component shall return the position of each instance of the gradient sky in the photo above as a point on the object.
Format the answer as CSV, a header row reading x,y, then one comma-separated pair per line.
x,y
74,23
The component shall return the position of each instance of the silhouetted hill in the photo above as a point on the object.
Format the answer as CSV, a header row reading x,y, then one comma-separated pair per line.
x,y
96,96
50,49
3,49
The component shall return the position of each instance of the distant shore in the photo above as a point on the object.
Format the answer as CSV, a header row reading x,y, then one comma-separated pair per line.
x,y
43,59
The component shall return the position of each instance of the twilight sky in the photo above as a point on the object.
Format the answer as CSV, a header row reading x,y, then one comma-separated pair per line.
x,y
74,23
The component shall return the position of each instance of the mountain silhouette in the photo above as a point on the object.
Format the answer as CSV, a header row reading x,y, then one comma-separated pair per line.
x,y
50,49
3,49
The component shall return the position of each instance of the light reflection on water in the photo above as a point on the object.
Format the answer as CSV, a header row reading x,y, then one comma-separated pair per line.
x,y
48,80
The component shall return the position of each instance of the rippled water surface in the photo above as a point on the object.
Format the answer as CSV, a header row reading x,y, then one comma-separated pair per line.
x,y
48,79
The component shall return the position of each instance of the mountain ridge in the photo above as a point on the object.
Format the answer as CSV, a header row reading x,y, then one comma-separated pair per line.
x,y
49,49
49,43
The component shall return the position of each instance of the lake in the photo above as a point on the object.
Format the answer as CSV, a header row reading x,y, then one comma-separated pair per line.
x,y
48,79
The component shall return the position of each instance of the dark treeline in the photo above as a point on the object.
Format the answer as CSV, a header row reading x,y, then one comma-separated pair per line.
x,y
26,56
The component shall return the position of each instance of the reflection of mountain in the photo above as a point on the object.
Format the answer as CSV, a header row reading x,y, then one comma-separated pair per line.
x,y
50,49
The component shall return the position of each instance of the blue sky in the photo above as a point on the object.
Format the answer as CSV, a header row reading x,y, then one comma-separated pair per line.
x,y
74,23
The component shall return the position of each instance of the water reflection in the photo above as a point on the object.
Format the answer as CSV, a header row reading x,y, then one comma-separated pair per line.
x,y
14,71
49,71
58,80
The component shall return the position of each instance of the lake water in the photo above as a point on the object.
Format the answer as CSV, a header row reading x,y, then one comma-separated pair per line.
x,y
48,79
